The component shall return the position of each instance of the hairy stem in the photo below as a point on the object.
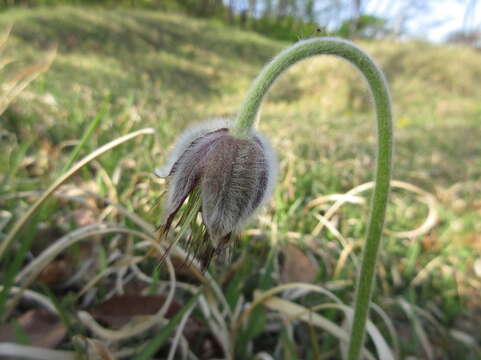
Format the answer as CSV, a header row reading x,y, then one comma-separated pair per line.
x,y
380,93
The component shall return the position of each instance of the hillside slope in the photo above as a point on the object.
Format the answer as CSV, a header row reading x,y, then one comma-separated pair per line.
x,y
161,59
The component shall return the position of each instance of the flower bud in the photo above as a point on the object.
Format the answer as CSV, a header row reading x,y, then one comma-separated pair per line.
x,y
235,177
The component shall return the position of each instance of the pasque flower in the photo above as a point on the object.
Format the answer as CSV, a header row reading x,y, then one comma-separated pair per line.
x,y
226,172
224,177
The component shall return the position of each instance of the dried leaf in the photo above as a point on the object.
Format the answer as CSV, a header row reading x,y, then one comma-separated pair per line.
x,y
55,272
43,328
297,266
431,242
119,310
66,265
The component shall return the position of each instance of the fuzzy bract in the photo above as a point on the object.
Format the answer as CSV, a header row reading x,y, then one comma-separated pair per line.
x,y
234,176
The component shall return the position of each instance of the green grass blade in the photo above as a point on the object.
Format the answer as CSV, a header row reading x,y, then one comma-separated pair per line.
x,y
94,124
11,271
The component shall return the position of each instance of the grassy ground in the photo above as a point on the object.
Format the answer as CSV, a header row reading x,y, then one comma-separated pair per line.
x,y
121,70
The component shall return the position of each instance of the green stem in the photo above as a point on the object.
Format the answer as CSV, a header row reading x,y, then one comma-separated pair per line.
x,y
380,93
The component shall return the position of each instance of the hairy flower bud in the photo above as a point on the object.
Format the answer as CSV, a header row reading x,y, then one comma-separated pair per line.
x,y
234,177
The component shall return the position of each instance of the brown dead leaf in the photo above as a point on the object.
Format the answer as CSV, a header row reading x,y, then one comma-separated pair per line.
x,y
43,328
431,242
297,266
118,310
135,287
64,266
55,272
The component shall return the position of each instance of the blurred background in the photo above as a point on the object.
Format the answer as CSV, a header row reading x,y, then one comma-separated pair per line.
x,y
75,75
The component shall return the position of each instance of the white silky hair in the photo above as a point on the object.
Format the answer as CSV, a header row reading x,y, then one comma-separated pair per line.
x,y
272,167
186,138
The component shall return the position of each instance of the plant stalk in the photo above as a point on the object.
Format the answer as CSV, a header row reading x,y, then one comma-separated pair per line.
x,y
380,93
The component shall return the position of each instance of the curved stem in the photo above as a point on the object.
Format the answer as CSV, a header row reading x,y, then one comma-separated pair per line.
x,y
380,93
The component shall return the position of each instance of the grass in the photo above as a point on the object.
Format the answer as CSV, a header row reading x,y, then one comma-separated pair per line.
x,y
117,71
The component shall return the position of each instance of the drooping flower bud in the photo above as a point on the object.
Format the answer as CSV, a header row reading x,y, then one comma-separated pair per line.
x,y
234,177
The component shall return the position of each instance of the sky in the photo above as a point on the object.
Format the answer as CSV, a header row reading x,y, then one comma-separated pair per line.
x,y
453,12
434,24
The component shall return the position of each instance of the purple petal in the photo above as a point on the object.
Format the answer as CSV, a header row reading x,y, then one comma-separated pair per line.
x,y
233,184
187,171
